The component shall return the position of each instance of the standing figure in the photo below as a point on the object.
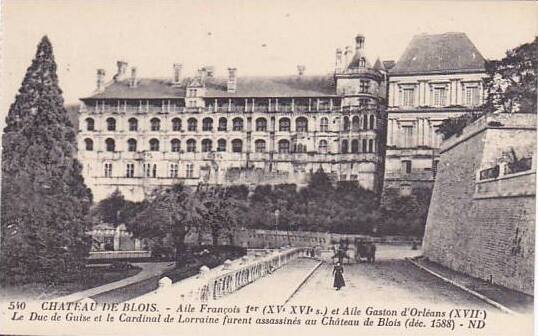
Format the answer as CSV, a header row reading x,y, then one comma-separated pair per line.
x,y
338,277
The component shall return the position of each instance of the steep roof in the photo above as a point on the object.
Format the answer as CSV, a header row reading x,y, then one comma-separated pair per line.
x,y
268,86
442,53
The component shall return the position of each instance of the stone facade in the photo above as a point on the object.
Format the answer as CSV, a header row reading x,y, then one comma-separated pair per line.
x,y
482,214
437,77
137,134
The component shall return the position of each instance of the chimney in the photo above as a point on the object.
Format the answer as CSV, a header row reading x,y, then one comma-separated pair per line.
x,y
133,80
100,80
122,70
210,71
338,66
359,43
231,85
177,73
347,56
202,73
300,69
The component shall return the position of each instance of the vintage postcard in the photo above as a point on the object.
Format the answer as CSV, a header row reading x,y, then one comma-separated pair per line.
x,y
268,167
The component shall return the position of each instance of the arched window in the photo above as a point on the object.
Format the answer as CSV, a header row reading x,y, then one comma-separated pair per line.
x,y
259,146
191,145
300,148
346,123
237,124
111,124
154,145
110,145
192,123
371,146
323,146
324,125
344,146
283,146
154,170
90,124
155,124
372,122
261,124
133,124
207,124
355,146
175,145
301,124
356,124
237,145
221,145
223,124
284,125
176,124
364,145
89,144
131,145
207,145
365,122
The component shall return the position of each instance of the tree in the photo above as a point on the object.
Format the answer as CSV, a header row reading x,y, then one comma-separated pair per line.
x,y
511,84
169,213
115,209
45,203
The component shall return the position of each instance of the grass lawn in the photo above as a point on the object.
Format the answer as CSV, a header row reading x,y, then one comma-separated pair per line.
x,y
90,278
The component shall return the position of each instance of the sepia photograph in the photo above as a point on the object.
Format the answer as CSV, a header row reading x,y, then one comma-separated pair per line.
x,y
268,167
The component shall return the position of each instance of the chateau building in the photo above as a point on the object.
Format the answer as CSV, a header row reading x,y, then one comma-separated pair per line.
x,y
437,77
137,134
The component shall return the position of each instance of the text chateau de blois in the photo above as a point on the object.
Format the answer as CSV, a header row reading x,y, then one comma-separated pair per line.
x,y
371,122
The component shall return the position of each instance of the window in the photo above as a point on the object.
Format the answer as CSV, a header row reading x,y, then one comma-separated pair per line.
x,y
261,125
237,146
407,136
176,124
108,169
364,86
110,145
89,144
355,124
111,124
147,169
323,146
344,146
259,146
130,170
365,122
364,145
406,166
284,125
355,146
207,124
190,170
174,169
300,148
221,145
371,146
408,97
439,96
372,122
324,125
223,124
238,124
133,124
192,124
283,146
362,63
192,92
301,124
90,124
191,145
131,145
155,124
472,96
154,170
154,145
207,145
175,145
346,123
363,102
435,165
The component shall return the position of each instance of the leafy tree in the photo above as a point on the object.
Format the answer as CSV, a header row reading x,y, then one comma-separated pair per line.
x,y
511,84
115,209
44,200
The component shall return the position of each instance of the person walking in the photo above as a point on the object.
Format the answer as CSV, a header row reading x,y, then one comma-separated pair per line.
x,y
338,277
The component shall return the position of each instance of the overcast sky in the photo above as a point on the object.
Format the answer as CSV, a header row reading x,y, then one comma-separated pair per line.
x,y
257,37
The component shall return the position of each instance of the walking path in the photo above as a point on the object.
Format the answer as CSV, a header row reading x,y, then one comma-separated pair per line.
x,y
148,270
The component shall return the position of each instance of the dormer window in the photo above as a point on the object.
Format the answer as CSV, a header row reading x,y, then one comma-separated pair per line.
x,y
362,63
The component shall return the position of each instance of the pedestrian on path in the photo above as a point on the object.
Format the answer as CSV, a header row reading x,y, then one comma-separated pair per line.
x,y
338,277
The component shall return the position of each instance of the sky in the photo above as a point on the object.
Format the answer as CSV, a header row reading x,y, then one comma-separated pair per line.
x,y
256,37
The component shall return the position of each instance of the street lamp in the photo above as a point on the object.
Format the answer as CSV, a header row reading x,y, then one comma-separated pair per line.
x,y
277,213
